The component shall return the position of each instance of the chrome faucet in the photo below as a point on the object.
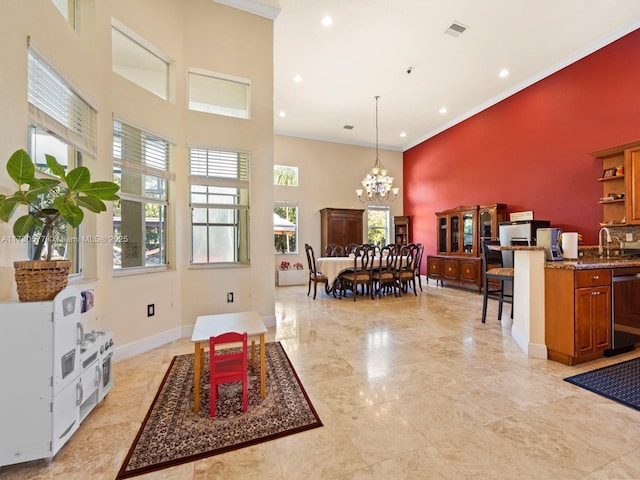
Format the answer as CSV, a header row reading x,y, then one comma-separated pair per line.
x,y
600,249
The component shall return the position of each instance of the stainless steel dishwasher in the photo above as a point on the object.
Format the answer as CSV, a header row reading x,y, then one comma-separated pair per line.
x,y
625,310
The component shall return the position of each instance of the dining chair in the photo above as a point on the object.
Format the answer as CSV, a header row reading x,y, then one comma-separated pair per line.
x,y
406,269
384,277
351,248
360,275
227,366
334,250
315,276
418,263
495,276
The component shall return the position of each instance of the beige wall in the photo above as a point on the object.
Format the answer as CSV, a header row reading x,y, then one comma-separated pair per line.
x,y
328,173
193,33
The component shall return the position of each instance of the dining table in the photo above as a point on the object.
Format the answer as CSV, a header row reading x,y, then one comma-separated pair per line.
x,y
332,267
213,325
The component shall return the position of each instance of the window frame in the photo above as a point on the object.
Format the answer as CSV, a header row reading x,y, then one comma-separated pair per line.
x,y
154,167
57,110
145,47
386,228
219,109
296,175
287,205
217,179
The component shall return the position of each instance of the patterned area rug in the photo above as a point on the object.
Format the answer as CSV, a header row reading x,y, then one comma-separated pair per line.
x,y
172,433
619,382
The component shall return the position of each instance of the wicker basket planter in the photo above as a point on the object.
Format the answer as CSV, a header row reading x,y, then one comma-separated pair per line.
x,y
39,280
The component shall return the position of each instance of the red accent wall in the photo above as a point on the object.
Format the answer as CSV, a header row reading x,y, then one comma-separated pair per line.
x,y
532,150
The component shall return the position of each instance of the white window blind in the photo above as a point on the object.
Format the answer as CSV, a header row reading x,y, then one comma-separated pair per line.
x,y
56,108
139,151
223,167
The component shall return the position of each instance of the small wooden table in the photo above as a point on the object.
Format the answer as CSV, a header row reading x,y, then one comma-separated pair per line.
x,y
213,325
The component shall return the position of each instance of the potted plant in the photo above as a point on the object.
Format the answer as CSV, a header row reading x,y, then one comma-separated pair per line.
x,y
63,196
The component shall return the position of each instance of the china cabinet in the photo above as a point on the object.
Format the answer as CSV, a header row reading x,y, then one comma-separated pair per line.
x,y
458,259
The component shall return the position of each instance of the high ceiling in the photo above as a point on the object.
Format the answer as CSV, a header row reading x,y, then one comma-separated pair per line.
x,y
372,44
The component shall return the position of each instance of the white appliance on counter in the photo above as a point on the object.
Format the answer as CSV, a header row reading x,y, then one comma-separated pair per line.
x,y
52,375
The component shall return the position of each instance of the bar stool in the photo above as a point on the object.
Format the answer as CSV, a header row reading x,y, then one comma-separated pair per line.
x,y
495,273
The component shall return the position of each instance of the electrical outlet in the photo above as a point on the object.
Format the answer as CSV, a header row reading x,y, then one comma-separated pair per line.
x,y
229,297
151,310
629,237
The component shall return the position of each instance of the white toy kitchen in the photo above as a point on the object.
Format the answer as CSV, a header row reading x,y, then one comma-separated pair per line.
x,y
52,374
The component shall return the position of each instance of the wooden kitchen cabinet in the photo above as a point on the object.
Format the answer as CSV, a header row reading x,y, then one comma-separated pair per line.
x,y
341,226
632,184
577,314
620,185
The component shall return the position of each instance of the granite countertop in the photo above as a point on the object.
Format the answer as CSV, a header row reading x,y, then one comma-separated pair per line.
x,y
593,263
588,260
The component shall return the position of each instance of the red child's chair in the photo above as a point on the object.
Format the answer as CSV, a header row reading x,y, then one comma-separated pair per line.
x,y
227,367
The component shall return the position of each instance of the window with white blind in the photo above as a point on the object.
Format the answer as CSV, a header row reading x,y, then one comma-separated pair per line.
x,y
219,94
219,202
61,124
141,166
138,61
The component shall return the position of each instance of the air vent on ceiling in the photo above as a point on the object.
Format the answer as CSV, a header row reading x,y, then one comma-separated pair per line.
x,y
456,29
348,127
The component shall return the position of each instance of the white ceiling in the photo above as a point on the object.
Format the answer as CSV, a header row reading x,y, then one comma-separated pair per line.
x,y
372,43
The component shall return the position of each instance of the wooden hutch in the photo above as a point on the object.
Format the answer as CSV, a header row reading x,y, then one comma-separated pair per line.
x,y
459,259
341,226
401,230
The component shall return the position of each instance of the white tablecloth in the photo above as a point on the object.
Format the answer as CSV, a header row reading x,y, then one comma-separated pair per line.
x,y
332,266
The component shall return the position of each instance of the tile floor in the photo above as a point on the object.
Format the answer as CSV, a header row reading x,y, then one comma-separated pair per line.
x,y
408,388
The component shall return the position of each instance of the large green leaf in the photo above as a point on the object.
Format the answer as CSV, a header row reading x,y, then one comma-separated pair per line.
x,y
72,214
20,167
93,204
101,190
55,167
7,209
23,225
78,178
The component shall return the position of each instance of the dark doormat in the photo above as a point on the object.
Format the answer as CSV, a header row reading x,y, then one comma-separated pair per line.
x,y
619,382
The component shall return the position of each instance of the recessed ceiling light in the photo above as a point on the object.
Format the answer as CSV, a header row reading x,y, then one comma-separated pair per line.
x,y
443,110
503,73
282,114
297,79
327,21
403,134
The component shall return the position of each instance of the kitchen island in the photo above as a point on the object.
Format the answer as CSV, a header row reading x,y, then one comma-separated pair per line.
x,y
579,318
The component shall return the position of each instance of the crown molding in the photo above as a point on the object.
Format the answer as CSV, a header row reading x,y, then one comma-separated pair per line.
x,y
252,6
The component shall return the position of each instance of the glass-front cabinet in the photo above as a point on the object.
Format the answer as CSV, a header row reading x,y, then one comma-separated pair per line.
x,y
459,230
454,235
456,231
442,235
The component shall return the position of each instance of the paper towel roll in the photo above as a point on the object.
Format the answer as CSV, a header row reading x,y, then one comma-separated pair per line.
x,y
570,245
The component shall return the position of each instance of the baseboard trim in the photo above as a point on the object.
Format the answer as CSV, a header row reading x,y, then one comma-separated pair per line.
x,y
141,346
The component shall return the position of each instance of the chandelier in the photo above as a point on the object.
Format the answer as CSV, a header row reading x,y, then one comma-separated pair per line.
x,y
377,184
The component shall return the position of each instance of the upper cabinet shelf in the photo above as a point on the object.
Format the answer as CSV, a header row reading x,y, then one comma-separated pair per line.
x,y
607,179
619,212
